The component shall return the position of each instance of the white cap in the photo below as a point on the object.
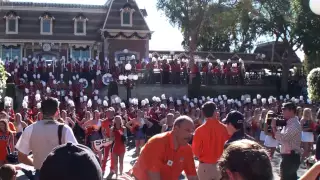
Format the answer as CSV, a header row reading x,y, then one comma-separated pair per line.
x,y
38,105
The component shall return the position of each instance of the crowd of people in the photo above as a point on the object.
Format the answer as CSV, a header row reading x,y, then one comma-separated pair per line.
x,y
162,128
64,127
60,74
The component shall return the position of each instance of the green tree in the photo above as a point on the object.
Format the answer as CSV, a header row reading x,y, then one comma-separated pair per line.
x,y
311,60
229,24
278,19
188,15
308,26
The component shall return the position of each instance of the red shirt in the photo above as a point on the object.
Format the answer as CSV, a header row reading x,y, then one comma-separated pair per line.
x,y
150,66
105,125
194,69
138,66
176,68
166,67
205,69
153,115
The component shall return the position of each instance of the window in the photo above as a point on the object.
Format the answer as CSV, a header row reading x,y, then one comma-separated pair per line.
x,y
46,24
10,52
126,16
12,23
80,53
80,25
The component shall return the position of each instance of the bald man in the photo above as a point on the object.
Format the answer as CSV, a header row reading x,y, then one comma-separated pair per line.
x,y
166,155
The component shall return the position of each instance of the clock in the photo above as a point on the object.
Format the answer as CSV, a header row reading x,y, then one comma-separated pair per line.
x,y
46,47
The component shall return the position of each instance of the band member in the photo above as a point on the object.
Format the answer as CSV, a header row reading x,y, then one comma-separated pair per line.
x,y
105,128
8,103
6,141
138,128
118,133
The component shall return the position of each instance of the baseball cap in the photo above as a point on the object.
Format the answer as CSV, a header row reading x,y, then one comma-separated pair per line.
x,y
235,118
289,106
71,162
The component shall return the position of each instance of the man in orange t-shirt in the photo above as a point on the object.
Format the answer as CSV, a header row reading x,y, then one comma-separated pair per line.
x,y
208,142
166,155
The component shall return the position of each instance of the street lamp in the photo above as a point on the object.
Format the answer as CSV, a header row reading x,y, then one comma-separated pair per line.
x,y
128,80
128,67
315,6
171,54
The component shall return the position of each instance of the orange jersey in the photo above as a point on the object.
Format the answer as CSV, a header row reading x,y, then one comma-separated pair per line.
x,y
12,128
105,125
208,141
4,139
159,156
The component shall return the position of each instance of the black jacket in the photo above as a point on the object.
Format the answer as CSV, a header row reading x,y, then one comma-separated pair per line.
x,y
238,135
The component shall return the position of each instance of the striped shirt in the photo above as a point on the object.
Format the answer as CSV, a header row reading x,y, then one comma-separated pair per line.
x,y
290,136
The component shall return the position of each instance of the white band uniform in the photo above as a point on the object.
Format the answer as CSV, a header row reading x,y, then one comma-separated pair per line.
x,y
262,136
307,137
270,142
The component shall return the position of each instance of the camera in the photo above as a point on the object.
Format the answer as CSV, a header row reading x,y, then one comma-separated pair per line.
x,y
279,120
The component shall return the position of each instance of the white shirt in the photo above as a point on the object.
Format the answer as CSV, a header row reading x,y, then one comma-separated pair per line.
x,y
23,144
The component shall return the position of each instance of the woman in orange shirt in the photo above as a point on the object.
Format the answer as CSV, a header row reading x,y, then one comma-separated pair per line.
x,y
6,141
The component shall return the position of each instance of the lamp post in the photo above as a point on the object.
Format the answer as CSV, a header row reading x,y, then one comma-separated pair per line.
x,y
125,52
128,80
315,6
171,54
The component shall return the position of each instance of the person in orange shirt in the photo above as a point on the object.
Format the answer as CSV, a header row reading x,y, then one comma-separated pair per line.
x,y
6,141
166,155
208,143
5,116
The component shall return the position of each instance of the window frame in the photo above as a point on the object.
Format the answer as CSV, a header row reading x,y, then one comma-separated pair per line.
x,y
41,25
81,51
131,11
11,50
84,23
12,17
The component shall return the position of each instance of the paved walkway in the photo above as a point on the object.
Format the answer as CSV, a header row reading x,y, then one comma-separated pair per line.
x,y
129,160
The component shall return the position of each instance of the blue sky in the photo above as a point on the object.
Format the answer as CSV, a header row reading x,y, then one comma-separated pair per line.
x,y
165,37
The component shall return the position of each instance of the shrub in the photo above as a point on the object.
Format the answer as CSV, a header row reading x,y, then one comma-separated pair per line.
x,y
313,82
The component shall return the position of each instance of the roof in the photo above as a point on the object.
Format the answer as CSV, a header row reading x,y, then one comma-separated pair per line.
x,y
277,49
113,21
58,5
223,56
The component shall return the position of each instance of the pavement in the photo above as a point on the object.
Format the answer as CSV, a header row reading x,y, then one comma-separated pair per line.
x,y
129,161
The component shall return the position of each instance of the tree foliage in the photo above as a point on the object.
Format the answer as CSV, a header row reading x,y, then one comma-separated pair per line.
x,y
235,25
213,25
308,26
313,81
